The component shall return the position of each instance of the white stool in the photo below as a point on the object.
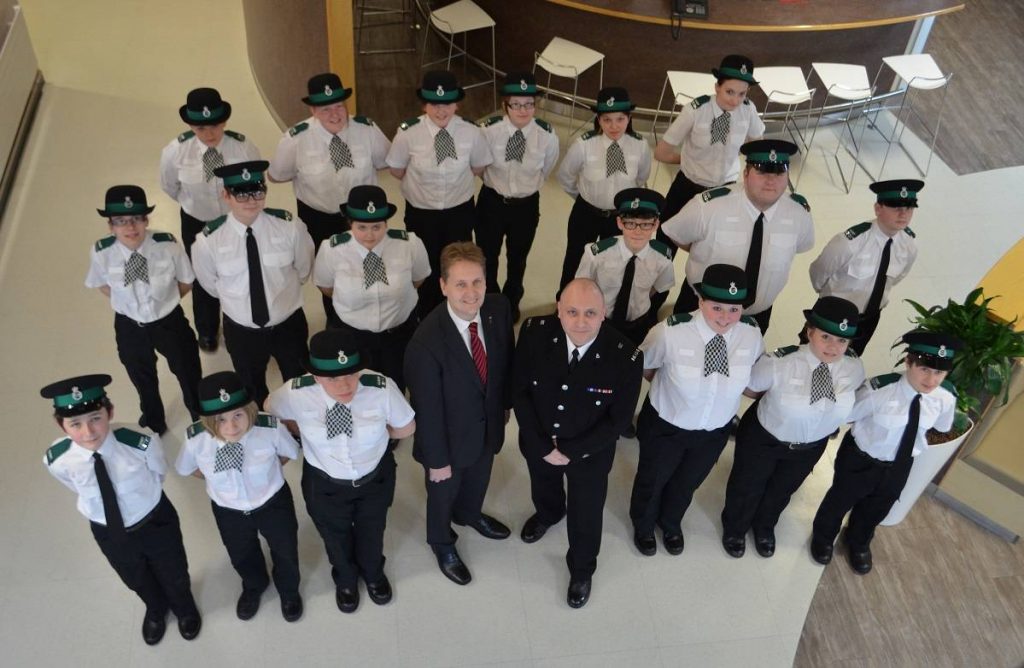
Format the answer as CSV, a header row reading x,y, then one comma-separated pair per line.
x,y
458,18
849,83
787,87
562,58
402,8
685,87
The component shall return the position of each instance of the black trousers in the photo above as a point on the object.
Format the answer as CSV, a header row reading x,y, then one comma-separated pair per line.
x,y
460,497
587,224
862,486
240,532
151,561
688,302
351,520
205,307
385,351
673,464
250,349
765,474
866,325
636,330
513,222
587,482
322,226
438,228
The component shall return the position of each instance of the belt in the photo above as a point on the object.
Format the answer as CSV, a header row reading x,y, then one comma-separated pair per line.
x,y
266,503
876,462
264,328
152,323
359,482
512,201
141,523
801,446
604,213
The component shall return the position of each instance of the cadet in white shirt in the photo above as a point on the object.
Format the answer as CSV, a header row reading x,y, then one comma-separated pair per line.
x,y
754,226
372,274
806,393
117,474
863,263
891,419
524,150
256,260
145,274
436,156
698,364
609,158
346,418
326,155
239,452
187,167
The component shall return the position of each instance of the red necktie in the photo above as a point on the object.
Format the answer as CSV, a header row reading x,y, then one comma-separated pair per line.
x,y
479,356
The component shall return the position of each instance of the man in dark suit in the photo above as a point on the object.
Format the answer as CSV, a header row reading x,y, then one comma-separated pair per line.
x,y
575,387
458,367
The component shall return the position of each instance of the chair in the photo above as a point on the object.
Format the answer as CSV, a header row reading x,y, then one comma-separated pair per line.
x,y
562,58
460,18
787,86
848,83
685,87
365,9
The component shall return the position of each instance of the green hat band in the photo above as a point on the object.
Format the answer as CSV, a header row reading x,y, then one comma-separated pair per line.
x,y
440,95
733,73
206,114
731,293
224,401
126,207
611,104
78,396
370,213
322,97
769,157
843,329
897,194
244,179
342,361
941,351
521,88
637,204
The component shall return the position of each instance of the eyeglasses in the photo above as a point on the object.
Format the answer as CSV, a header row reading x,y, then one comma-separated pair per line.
x,y
520,106
121,221
257,195
645,225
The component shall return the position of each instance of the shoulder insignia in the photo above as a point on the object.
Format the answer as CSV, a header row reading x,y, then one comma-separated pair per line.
x,y
698,102
709,195
851,353
132,438
363,120
635,135
237,136
950,387
185,136
163,236
105,242
589,134
910,232
296,129
526,324
490,121
398,234
885,379
749,321
801,200
56,450
266,420
343,238
543,124
278,213
678,318
373,380
785,350
857,230
634,354
195,429
603,245
661,247
303,381
405,125
212,226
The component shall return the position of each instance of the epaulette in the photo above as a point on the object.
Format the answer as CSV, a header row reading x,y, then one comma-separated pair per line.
x,y
851,353
185,136
490,121
698,102
589,134
342,238
212,226
785,350
132,438
105,242
678,318
163,236
303,381
296,129
857,230
885,379
398,234
801,200
709,195
373,380
543,124
950,387
195,429
910,232
603,245
237,136
56,450
405,125
661,247
266,420
278,213
363,120
634,134
748,320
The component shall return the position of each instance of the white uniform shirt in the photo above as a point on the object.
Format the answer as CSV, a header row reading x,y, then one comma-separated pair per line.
x,y
339,265
260,477
701,161
720,231
605,263
426,184
849,263
222,267
136,465
377,404
785,410
515,179
680,392
182,176
584,168
303,157
881,414
166,264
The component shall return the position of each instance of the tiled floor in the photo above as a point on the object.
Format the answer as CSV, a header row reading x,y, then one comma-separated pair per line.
x,y
117,74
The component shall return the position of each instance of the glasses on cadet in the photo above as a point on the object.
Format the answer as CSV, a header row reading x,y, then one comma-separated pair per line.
x,y
521,106
645,225
257,195
121,221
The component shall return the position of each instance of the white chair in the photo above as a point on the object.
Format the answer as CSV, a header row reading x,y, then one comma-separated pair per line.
x,y
402,8
460,18
787,87
562,58
848,83
685,86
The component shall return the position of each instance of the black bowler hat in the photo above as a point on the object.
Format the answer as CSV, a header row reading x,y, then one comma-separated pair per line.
x,y
78,395
243,176
522,84
325,89
935,349
222,392
723,283
203,106
736,67
898,192
440,87
769,155
125,201
834,315
368,204
639,202
613,99
332,353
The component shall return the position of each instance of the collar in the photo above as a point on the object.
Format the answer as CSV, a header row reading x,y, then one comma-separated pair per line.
x,y
626,253
463,325
876,234
754,212
329,401
813,361
203,148
363,251
105,447
526,129
433,128
906,390
570,346
240,228
704,329
126,252
323,133
715,109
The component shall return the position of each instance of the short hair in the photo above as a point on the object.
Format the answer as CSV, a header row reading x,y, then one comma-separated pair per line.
x,y
916,359
104,402
461,251
210,421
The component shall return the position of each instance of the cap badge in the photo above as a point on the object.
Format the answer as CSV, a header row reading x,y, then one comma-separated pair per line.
x,y
206,112
610,102
76,393
224,396
246,176
635,204
772,155
342,357
942,351
903,192
370,208
743,68
328,91
733,289
522,84
128,203
440,91
844,325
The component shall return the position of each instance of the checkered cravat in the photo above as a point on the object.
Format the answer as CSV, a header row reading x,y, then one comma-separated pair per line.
x,y
229,456
614,160
341,156
444,146
720,129
136,268
716,356
374,270
821,384
516,147
212,159
339,420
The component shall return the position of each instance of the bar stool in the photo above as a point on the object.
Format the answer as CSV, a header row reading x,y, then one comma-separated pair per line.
x,y
460,18
685,87
562,58
787,86
403,8
849,83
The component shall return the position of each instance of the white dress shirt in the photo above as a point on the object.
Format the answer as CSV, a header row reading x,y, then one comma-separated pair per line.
x,y
701,161
584,172
605,264
183,178
463,327
883,409
514,178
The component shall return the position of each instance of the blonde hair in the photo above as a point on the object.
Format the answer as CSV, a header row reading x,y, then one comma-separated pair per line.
x,y
210,421
461,251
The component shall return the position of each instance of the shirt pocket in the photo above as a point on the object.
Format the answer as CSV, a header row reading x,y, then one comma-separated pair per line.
x,y
191,173
162,280
782,249
370,426
276,263
862,267
260,466
595,167
233,277
893,423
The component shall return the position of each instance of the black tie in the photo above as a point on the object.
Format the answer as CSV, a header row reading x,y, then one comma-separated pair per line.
x,y
257,293
621,309
875,300
753,266
906,449
575,361
112,512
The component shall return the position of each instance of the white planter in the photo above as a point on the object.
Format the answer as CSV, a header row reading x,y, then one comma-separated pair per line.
x,y
926,466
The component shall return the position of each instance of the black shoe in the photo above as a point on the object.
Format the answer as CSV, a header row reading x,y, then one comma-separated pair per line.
x,y
645,543
208,344
379,591
291,608
821,551
248,603
153,628
189,626
488,527
860,559
734,425
347,598
451,565
578,594
764,542
735,546
533,530
630,431
673,542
